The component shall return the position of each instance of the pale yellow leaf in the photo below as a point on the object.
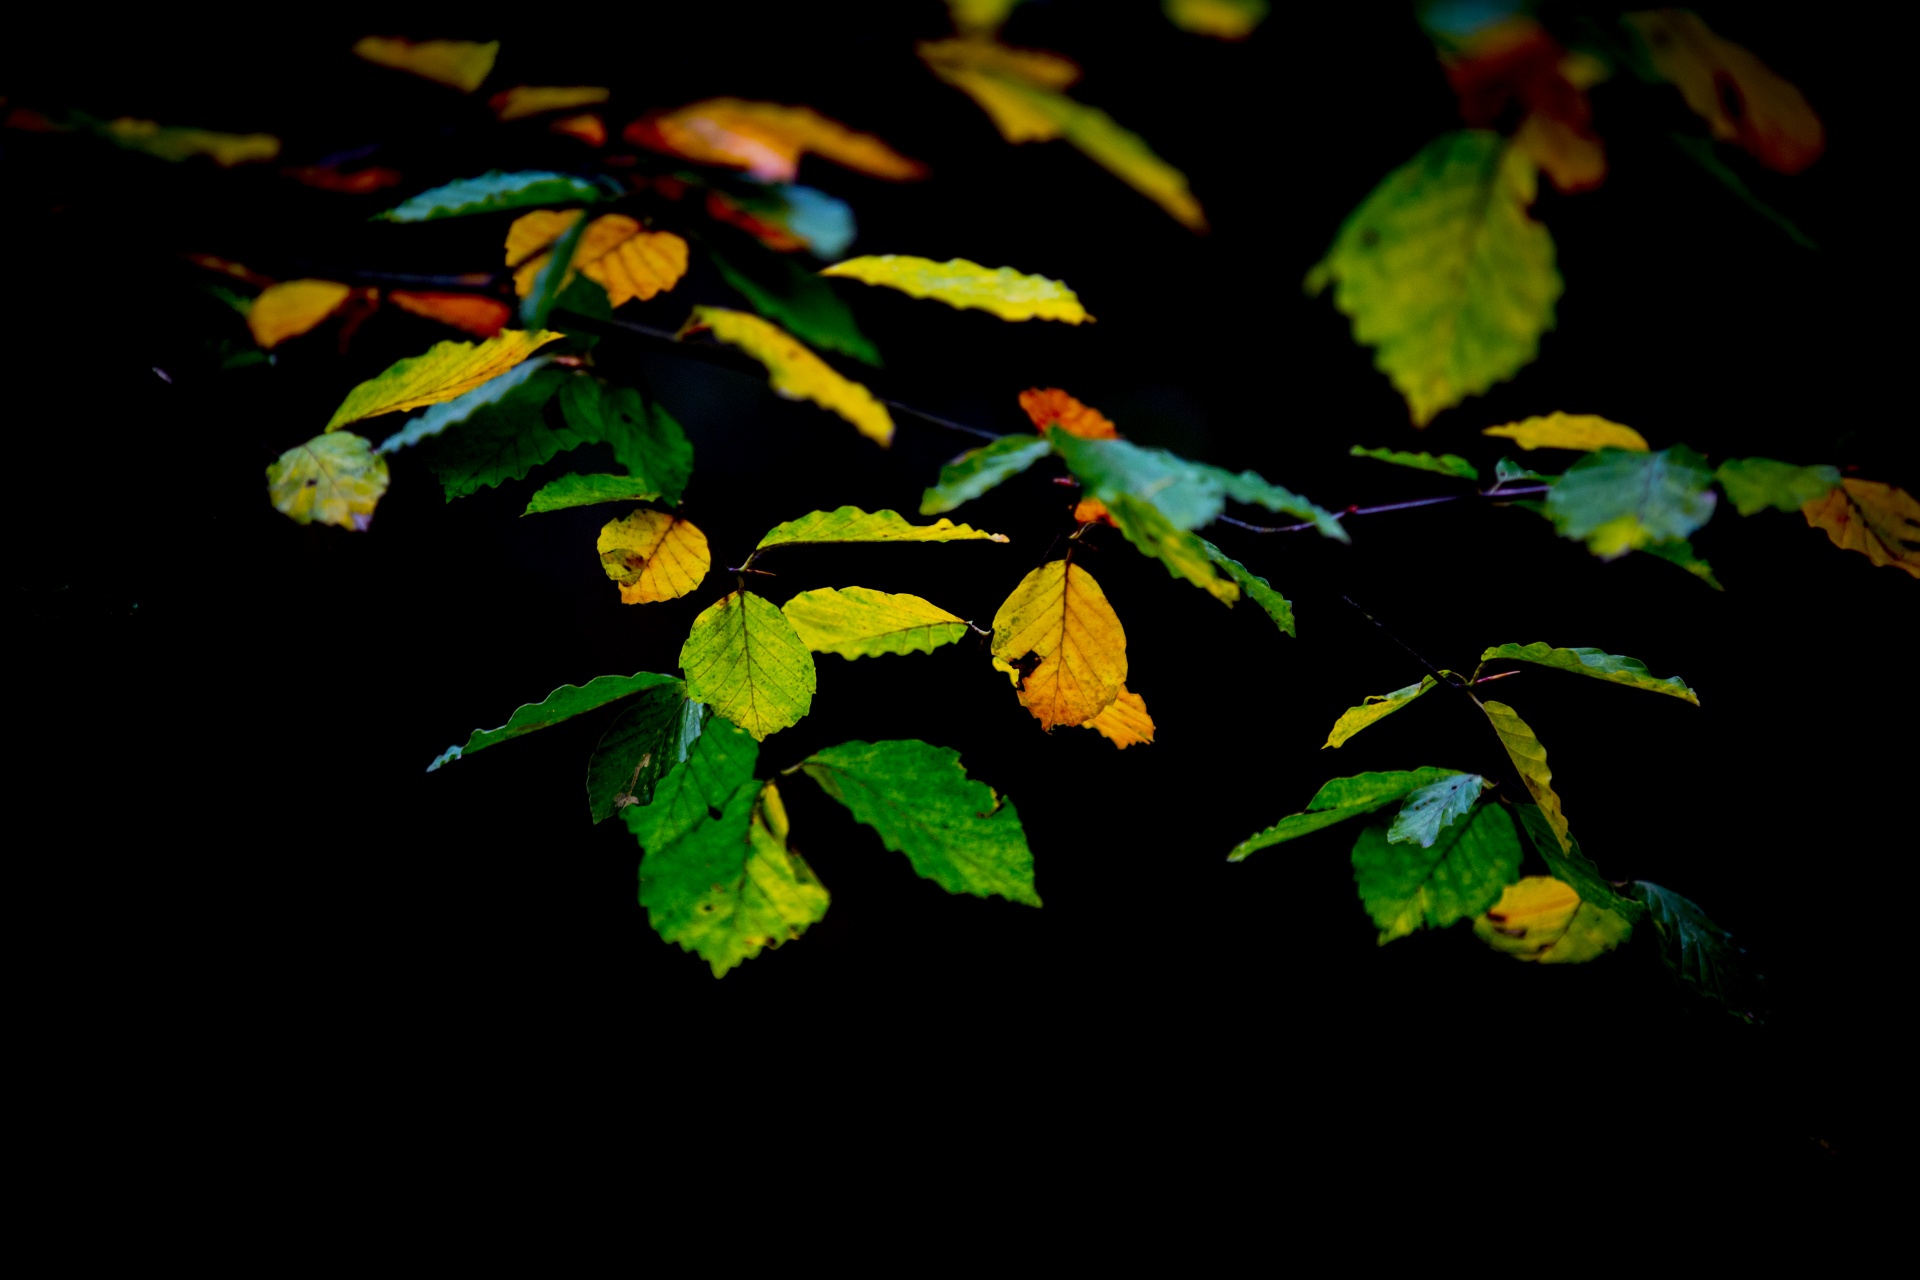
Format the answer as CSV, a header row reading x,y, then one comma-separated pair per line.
x,y
1544,920
1221,19
851,524
615,252
524,100
447,370
795,372
1058,628
653,556
1582,431
335,479
980,53
1006,293
857,622
1125,722
291,309
458,64
1879,521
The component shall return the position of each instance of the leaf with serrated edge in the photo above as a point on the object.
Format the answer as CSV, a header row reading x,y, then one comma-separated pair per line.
x,y
1001,291
1530,760
1052,407
1879,521
1597,663
794,372
744,659
1406,887
1568,863
587,491
1376,707
502,441
955,830
1616,500
978,470
491,193
1433,808
562,704
291,308
856,622
447,370
1700,952
645,439
1258,589
1755,484
1125,723
1341,799
851,524
615,251
335,479
1447,464
457,410
1059,619
642,745
1584,432
1184,554
653,556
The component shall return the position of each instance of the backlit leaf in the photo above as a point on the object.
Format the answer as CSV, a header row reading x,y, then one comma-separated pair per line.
x,y
744,658
615,252
1002,291
851,524
1407,886
1258,589
800,302
857,622
1581,431
1153,535
1529,758
1569,864
564,703
1734,92
1126,155
493,192
458,64
1616,500
767,140
653,556
1597,663
1878,520
1444,274
1376,707
335,479
978,470
1058,629
447,370
587,491
1052,407
1426,813
1700,952
1542,919
524,100
956,831
1679,552
645,438
175,143
1341,799
1125,722
795,372
1188,494
1446,464
1221,19
290,309
1755,484
481,317
452,412
643,744
585,127
983,53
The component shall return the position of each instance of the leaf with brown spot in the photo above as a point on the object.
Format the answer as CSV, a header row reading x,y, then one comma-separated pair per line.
x,y
1879,521
653,556
1058,629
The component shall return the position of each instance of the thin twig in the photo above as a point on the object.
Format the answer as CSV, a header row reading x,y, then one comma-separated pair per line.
x,y
948,423
1419,657
1496,493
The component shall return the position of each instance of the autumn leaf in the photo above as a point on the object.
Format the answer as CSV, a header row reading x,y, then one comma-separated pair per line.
x,y
767,140
856,622
744,658
1544,920
586,127
481,317
174,143
447,370
956,831
1755,484
1058,623
1447,464
645,742
983,16
1738,96
1444,274
1153,535
358,182
335,479
458,64
787,216
1597,663
564,703
653,556
1426,813
851,524
1093,511
615,252
795,372
1513,62
1052,407
1699,952
523,100
978,470
462,407
1409,886
1616,500
1125,723
1220,19
1257,588
1529,758
1375,708
1582,431
288,310
1004,292
1340,800
1878,520
494,192
1573,158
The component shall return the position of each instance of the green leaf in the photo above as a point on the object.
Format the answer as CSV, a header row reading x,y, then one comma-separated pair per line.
x,y
1184,554
856,622
552,278
957,832
1447,464
1444,274
1755,484
1700,952
563,703
1506,471
1680,552
642,746
492,192
457,410
1189,494
1616,500
1529,758
719,764
1573,867
978,470
799,302
502,441
1433,808
851,524
1258,589
744,658
335,479
645,439
1376,707
1597,663
1339,800
585,491
1408,886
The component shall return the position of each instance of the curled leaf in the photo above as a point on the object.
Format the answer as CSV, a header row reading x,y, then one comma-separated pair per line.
x,y
653,556
1125,723
1529,758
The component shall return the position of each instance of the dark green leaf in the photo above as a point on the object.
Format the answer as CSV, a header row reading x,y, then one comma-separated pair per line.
x,y
562,704
1258,589
1407,886
1755,484
1339,800
492,192
645,439
1700,952
449,413
1189,494
798,301
1570,866
1616,500
978,470
1447,464
1596,663
585,491
642,746
502,441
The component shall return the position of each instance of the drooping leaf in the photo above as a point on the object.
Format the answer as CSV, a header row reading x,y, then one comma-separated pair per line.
x,y
1052,407
1426,813
1734,92
1153,535
795,372
292,308
1582,431
1002,291
1544,920
1258,589
1189,494
1616,501
857,622
1220,19
956,831
458,64
563,703
978,470
643,744
1755,484
851,524
1444,274
1878,520
447,370
653,556
587,491
645,438
1447,464
1597,663
1529,758
525,100
1064,643
1679,552
1341,799
1569,864
744,659
767,140
1376,707
799,302
1506,471
335,479
502,441
174,143
492,192
452,412
1407,886
1125,723
615,252
481,317
1700,952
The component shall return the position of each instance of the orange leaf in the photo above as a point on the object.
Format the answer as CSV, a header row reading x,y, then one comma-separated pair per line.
x,y
358,183
482,317
530,100
1052,407
1573,158
588,128
1093,511
767,140
1878,520
1125,722
616,252
1734,92
722,209
234,269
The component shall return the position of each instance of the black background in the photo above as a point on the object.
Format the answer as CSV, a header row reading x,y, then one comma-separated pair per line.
x,y
229,715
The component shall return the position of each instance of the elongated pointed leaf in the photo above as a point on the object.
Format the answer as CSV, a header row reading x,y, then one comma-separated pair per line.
x,y
1597,663
1568,863
447,370
547,279
1063,643
493,192
457,410
643,744
795,372
856,622
1184,554
502,441
586,491
1582,431
1341,799
335,479
1406,887
744,658
1530,761
978,470
458,64
563,703
1616,500
645,438
1755,484
1426,813
1052,407
1002,291
851,524
1376,707
1258,589
1700,952
1679,553
799,302
1189,494
293,307
1446,464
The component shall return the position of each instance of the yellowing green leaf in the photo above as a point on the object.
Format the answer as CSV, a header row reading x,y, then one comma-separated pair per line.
x,y
1582,431
615,252
1447,464
1545,920
1125,723
1341,799
1530,760
1184,554
447,370
292,308
1003,291
653,556
1376,707
851,524
492,192
1058,629
1617,500
1220,19
1878,520
744,659
1755,484
795,372
1258,589
1597,663
856,622
174,143
1408,886
1444,274
458,64
335,479
586,491
978,470
524,100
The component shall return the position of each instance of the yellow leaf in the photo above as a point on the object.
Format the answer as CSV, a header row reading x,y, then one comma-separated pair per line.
x,y
447,370
1093,511
1125,722
291,309
653,556
979,15
795,372
1879,521
522,101
851,524
767,140
1529,758
1574,159
1020,112
1375,708
1582,431
615,252
1543,919
458,64
1739,97
978,53
1003,291
1052,407
174,143
1221,19
1058,627
335,479
856,622
587,127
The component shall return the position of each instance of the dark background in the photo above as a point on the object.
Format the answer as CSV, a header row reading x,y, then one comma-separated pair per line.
x,y
229,716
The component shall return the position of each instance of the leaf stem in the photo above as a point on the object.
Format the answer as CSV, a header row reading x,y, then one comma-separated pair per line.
x,y
1496,493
